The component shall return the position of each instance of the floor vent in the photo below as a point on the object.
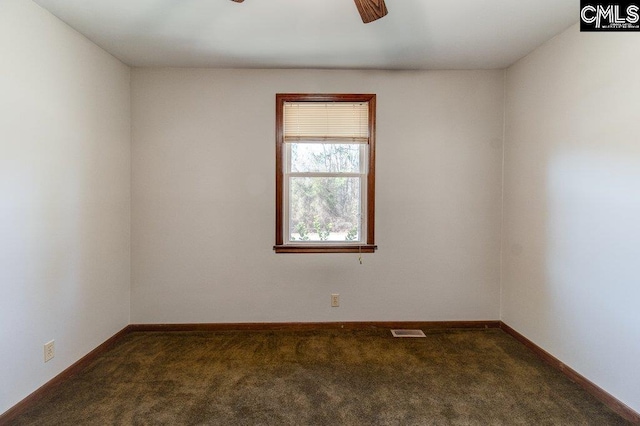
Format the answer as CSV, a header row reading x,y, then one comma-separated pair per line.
x,y
407,333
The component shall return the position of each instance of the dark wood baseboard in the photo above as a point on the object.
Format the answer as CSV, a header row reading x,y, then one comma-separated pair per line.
x,y
300,326
22,406
613,403
602,395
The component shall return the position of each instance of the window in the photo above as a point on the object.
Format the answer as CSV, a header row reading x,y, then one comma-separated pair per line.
x,y
325,173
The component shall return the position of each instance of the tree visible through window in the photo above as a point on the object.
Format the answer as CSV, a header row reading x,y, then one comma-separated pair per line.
x,y
325,192
325,173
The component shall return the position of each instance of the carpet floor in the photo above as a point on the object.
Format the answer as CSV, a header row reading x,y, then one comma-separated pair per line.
x,y
327,377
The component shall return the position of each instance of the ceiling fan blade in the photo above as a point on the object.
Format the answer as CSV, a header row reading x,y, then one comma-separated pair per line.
x,y
370,10
238,1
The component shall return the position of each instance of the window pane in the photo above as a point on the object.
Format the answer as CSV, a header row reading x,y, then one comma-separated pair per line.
x,y
325,157
324,209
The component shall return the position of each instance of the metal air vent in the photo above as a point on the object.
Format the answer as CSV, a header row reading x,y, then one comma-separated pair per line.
x,y
407,333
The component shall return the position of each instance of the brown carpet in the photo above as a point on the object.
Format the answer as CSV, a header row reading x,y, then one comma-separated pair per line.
x,y
329,377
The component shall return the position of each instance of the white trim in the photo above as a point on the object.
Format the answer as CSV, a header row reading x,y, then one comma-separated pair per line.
x,y
286,207
324,174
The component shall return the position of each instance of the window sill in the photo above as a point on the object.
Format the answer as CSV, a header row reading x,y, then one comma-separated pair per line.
x,y
325,248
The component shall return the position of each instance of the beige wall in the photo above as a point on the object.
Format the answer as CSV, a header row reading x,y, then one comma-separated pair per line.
x,y
203,200
571,281
64,197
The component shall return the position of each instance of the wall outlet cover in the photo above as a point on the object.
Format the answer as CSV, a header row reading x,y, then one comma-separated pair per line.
x,y
335,300
49,350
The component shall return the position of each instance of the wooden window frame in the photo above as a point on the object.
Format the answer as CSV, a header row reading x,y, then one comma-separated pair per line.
x,y
321,247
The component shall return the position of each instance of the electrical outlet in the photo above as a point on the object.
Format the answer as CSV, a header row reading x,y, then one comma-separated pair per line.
x,y
49,350
335,300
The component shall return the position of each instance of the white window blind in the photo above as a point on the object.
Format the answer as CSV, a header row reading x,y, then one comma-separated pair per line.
x,y
326,121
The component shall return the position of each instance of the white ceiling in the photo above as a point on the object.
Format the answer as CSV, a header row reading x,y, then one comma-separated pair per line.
x,y
416,34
